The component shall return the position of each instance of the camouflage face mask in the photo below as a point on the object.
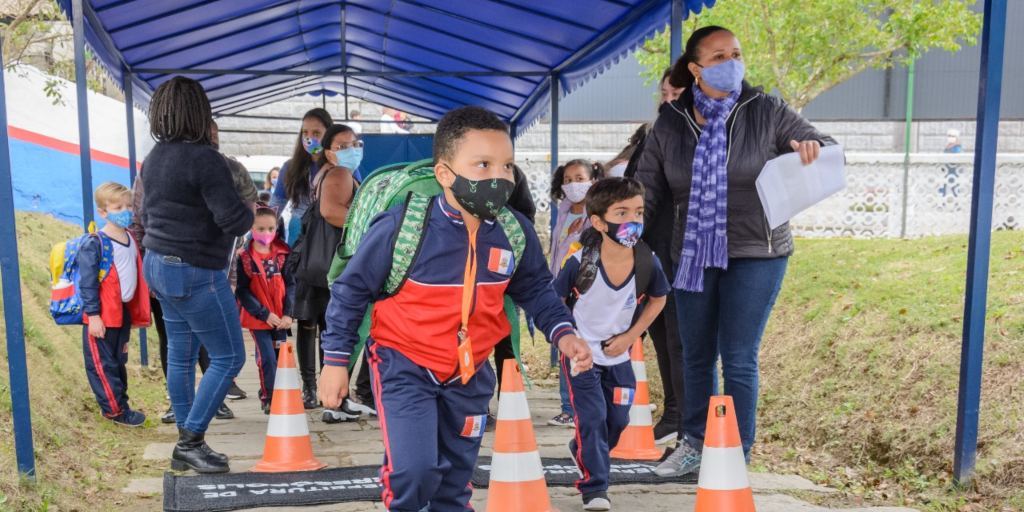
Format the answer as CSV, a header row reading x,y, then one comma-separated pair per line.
x,y
482,198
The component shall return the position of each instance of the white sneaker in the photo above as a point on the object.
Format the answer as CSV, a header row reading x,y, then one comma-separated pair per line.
x,y
598,502
358,405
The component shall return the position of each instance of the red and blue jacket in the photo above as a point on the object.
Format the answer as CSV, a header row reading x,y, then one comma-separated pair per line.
x,y
104,298
423,318
264,289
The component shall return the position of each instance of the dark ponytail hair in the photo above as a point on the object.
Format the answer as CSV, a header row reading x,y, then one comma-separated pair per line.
x,y
591,237
597,171
296,180
681,75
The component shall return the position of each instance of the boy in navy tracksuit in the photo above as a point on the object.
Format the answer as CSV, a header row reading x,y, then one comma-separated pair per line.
x,y
607,317
266,292
431,418
115,298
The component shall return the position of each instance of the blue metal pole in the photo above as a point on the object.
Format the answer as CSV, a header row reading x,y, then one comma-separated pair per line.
x,y
14,321
555,89
82,87
129,114
676,32
989,90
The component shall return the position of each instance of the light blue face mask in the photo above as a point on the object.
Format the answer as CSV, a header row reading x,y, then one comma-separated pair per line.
x,y
725,77
121,219
350,158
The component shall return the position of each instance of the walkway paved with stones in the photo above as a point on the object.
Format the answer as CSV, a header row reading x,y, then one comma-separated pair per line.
x,y
350,444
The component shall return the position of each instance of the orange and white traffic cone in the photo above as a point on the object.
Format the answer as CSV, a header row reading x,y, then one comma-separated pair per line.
x,y
637,441
517,475
288,446
723,485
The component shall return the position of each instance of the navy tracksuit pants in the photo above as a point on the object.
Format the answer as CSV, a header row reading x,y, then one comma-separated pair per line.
x,y
432,432
601,398
266,359
105,360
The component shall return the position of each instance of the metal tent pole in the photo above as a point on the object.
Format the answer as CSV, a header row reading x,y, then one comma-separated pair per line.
x,y
82,88
14,320
129,115
676,32
989,90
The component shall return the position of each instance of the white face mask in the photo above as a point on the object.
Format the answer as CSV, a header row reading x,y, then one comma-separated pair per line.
x,y
618,170
576,191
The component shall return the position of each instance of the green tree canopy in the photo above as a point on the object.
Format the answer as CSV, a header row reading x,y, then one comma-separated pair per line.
x,y
802,48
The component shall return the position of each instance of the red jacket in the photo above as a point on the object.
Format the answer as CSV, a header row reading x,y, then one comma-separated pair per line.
x,y
257,295
111,309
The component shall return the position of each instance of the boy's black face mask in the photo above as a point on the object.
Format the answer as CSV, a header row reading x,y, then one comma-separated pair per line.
x,y
482,198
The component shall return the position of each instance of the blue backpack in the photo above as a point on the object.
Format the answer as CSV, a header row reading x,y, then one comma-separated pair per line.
x,y
65,298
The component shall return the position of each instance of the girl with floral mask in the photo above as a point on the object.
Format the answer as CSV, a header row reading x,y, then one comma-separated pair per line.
x,y
569,186
291,199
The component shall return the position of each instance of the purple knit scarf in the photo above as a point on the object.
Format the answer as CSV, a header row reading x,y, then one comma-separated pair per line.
x,y
705,243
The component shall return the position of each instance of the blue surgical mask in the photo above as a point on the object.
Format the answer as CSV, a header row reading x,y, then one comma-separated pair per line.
x,y
121,219
350,158
725,77
312,145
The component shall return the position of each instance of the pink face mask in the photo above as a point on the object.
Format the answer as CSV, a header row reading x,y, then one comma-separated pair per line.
x,y
264,238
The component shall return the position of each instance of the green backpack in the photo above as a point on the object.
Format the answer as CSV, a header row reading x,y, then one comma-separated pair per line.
x,y
412,184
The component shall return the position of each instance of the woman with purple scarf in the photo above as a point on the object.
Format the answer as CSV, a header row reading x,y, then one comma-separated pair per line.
x,y
728,264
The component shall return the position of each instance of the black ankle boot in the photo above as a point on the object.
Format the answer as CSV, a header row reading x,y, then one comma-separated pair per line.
x,y
309,398
192,452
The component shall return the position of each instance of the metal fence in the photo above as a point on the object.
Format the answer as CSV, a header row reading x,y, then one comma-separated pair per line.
x,y
937,198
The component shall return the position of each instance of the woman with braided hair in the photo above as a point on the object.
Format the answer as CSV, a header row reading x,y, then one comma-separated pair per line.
x,y
192,214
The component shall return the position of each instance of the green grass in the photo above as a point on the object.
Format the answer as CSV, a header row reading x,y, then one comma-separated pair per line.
x,y
82,460
860,368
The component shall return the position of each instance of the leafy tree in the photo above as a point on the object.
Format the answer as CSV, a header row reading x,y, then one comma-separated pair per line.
x,y
36,32
802,48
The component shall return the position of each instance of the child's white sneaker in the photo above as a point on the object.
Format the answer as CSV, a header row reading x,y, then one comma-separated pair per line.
x,y
597,501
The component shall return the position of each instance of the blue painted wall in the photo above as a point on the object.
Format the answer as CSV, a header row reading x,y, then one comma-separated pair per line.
x,y
48,180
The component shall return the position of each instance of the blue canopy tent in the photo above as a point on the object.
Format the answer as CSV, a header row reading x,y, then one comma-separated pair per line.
x,y
514,57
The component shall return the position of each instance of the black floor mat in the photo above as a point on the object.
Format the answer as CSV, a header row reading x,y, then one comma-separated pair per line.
x,y
232,491
563,473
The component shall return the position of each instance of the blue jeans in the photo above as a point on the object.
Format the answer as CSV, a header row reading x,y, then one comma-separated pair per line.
x,y
266,359
199,310
726,319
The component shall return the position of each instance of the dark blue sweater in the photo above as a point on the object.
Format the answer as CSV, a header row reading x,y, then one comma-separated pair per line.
x,y
191,208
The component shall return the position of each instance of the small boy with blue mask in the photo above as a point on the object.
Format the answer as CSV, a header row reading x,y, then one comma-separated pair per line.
x,y
616,288
115,298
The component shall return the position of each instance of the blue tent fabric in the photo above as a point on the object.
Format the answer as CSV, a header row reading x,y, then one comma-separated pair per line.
x,y
512,47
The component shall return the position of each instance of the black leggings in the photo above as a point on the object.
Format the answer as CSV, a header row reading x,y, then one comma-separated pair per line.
x,y
307,346
161,332
502,351
668,346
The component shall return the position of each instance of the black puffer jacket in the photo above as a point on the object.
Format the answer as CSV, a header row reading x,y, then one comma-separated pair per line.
x,y
760,128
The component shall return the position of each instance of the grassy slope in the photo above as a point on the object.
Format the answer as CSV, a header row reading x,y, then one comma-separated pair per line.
x,y
861,365
82,460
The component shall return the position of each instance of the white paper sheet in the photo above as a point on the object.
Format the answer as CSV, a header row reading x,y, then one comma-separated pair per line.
x,y
787,187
